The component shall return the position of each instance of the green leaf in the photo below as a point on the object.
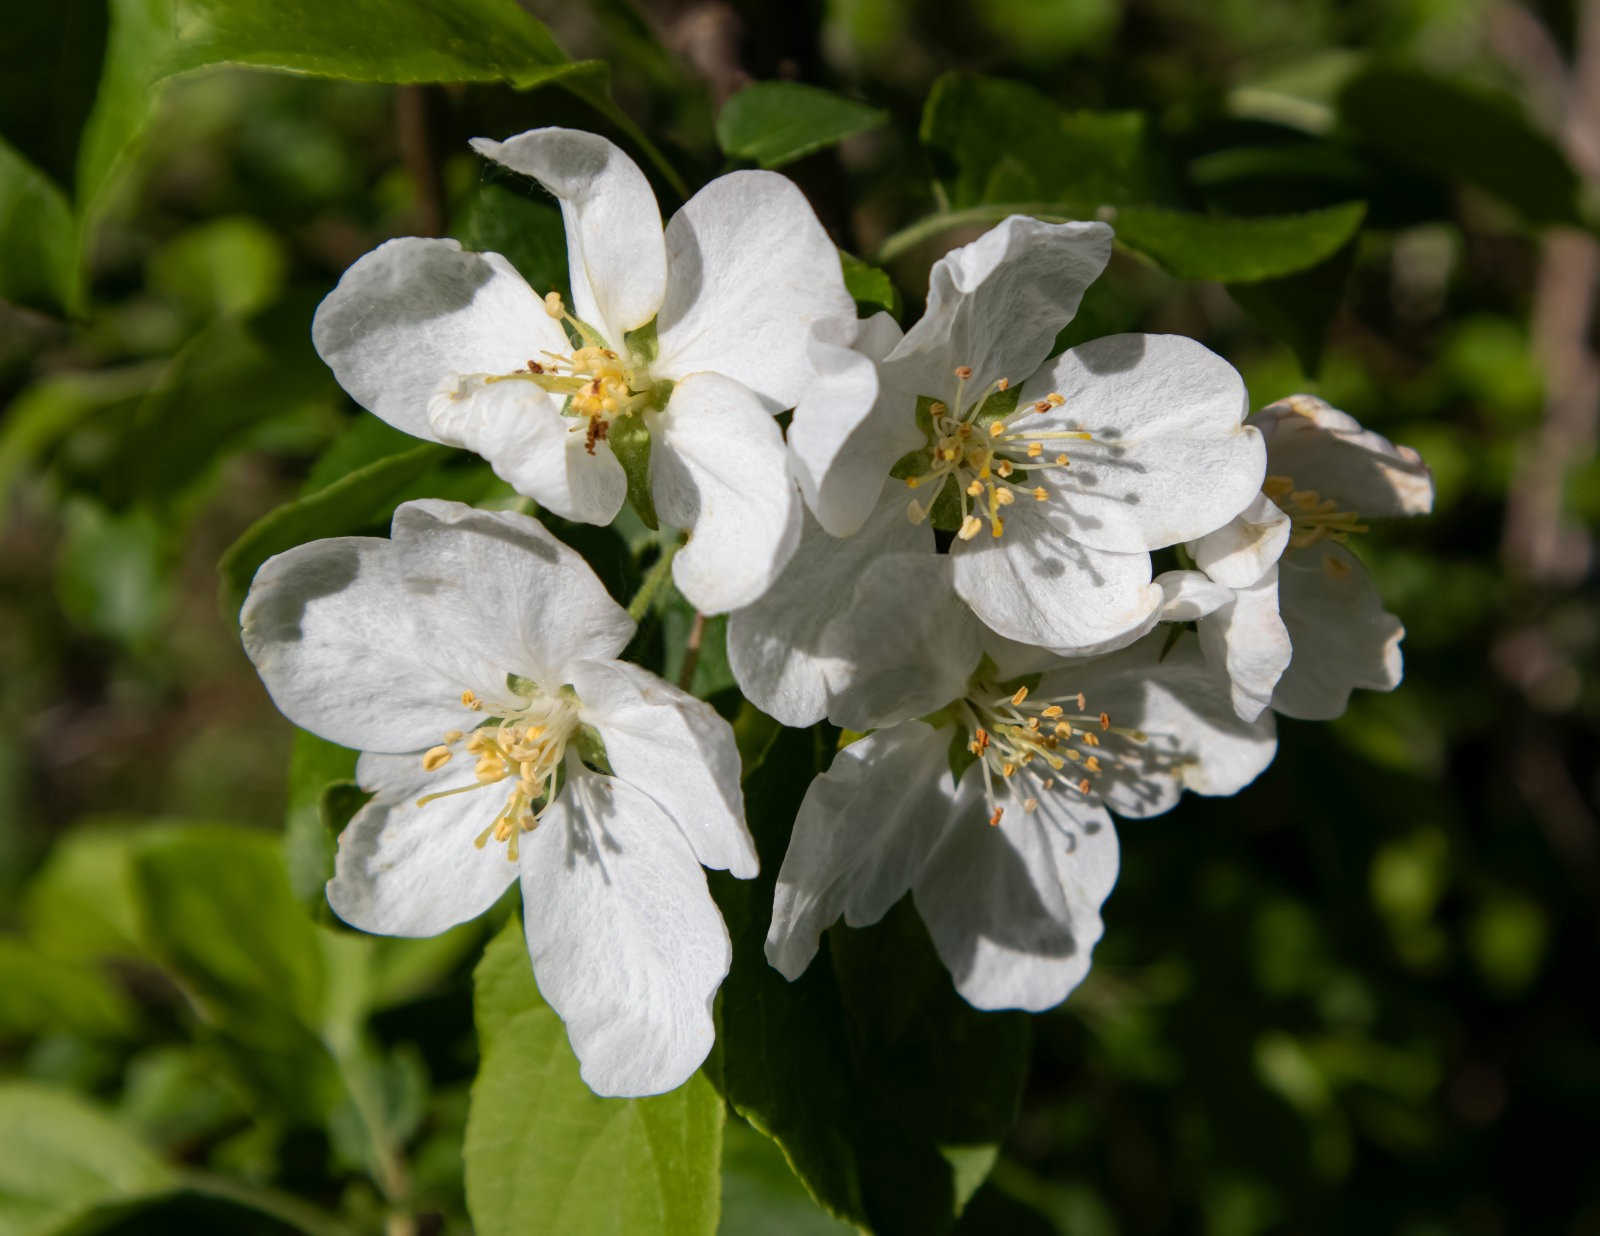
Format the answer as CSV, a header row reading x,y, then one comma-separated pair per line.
x,y
317,767
869,287
43,993
399,41
630,443
525,230
62,1159
1000,141
1237,250
544,1153
761,1194
773,123
349,505
83,904
221,913
230,266
1464,132
38,237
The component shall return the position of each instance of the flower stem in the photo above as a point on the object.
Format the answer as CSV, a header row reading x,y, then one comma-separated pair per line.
x,y
640,605
975,216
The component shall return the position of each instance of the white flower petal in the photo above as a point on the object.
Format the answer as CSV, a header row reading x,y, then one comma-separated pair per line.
x,y
906,643
1241,551
860,838
749,269
1343,637
719,468
1248,639
501,595
519,429
405,870
848,429
332,630
1188,595
1014,910
414,314
1171,459
780,648
1193,739
616,255
1327,450
677,750
1037,585
627,945
998,303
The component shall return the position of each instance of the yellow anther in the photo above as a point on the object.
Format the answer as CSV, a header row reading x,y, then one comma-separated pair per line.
x,y
1021,694
913,481
1063,728
994,817
963,372
1030,804
435,758
1055,400
1035,449
996,428
1004,497
1042,406
970,527
553,305
1005,467
1074,755
1105,720
1092,763
1084,787
1061,460
1053,711
937,409
1091,739
452,735
469,699
975,488
1041,494
1002,384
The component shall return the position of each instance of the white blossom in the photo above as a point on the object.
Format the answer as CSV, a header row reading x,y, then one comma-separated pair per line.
x,y
1057,476
1009,863
700,331
470,657
1305,625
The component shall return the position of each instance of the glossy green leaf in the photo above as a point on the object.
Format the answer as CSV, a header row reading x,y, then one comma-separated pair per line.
x,y
38,237
761,1194
869,287
1464,132
994,140
1237,250
1298,308
543,1153
62,1159
352,504
773,123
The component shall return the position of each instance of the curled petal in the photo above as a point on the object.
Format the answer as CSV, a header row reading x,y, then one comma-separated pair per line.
x,y
718,467
1343,638
616,255
1326,450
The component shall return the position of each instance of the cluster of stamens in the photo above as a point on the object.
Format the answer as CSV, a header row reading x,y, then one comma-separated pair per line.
x,y
525,744
989,462
1050,743
597,381
1313,517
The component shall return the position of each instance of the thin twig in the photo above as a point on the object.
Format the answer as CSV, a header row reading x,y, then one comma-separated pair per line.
x,y
691,650
416,148
640,605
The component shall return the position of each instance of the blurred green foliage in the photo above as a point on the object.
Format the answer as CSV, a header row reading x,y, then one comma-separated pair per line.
x,y
1355,997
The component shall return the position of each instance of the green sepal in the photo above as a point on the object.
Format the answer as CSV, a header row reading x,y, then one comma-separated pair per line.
x,y
591,748
630,442
998,405
642,344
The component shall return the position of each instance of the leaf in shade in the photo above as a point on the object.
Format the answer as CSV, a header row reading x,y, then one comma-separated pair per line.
x,y
773,123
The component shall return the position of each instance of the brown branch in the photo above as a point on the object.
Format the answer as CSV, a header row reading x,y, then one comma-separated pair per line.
x,y
1539,543
416,148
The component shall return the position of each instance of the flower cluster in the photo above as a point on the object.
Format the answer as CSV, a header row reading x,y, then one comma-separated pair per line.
x,y
948,554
